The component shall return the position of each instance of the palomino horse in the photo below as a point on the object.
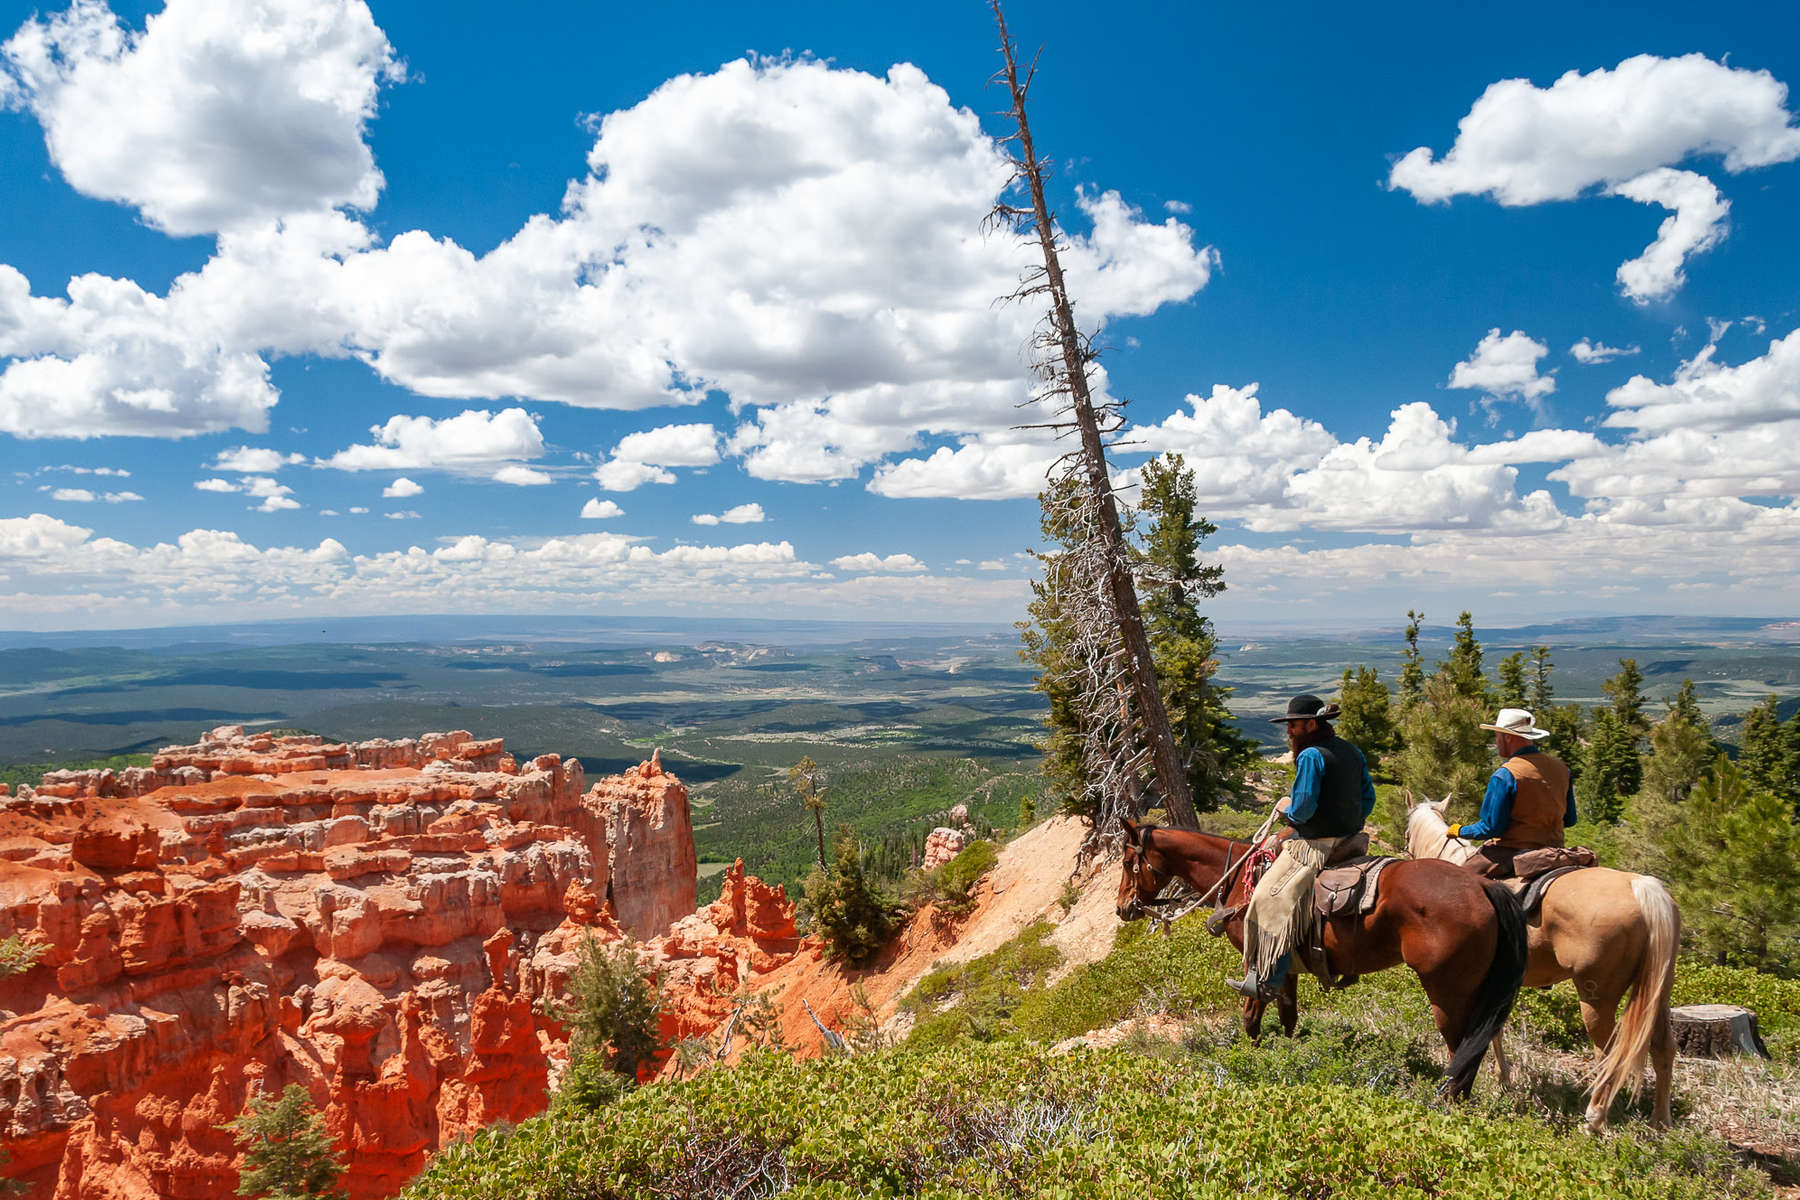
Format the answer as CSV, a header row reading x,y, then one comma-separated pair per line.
x,y
1611,932
1464,937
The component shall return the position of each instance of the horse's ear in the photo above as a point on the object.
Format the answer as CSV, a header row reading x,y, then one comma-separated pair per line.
x,y
1129,826
1441,805
1411,803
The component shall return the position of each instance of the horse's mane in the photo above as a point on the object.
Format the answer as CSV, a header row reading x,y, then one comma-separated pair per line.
x,y
1146,830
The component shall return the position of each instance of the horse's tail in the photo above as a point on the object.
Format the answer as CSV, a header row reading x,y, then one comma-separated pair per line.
x,y
1623,1056
1494,999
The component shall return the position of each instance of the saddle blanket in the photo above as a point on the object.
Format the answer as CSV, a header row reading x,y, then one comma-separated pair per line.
x,y
1531,891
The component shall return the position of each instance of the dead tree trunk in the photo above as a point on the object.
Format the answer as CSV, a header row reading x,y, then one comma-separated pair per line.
x,y
1064,368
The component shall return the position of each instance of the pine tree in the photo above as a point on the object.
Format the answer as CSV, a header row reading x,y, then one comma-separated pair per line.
x,y
1443,749
1681,750
1182,644
1512,680
1542,695
1048,644
1732,855
1770,751
288,1155
1368,719
1412,669
1611,768
1567,728
849,912
1116,671
804,778
1626,691
1464,663
615,1008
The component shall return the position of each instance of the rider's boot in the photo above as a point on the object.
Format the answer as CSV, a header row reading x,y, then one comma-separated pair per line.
x,y
1247,987
1252,987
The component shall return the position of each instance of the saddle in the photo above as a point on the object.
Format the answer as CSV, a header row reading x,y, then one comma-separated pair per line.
x,y
1346,883
1535,870
1346,887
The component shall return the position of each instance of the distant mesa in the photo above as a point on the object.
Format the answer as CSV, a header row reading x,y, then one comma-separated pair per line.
x,y
382,922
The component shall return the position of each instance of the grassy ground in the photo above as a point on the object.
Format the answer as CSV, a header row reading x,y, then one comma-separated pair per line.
x,y
973,1102
1017,1121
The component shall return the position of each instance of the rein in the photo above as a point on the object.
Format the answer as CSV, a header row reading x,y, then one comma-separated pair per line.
x,y
1211,896
1222,889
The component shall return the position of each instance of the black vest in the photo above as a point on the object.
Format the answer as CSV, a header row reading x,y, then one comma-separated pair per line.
x,y
1340,809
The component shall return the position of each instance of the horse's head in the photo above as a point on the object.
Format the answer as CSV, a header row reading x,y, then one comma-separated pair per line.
x,y
1142,872
1425,824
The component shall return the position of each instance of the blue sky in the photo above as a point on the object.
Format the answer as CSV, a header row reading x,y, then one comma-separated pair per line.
x,y
373,303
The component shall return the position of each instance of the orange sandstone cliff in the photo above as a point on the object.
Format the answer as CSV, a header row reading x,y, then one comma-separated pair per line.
x,y
387,923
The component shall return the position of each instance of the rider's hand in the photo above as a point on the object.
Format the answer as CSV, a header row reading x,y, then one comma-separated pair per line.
x,y
1454,831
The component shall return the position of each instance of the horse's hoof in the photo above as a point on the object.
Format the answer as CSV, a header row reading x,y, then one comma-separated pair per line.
x,y
1596,1122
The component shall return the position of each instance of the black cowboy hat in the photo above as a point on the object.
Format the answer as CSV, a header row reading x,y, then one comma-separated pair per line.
x,y
1307,708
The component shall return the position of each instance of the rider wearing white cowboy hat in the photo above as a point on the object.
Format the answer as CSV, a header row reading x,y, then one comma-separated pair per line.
x,y
1530,799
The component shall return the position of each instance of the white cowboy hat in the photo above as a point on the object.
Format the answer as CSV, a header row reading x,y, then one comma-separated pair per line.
x,y
1519,723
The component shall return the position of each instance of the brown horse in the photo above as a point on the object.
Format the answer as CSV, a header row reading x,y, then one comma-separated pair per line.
x,y
1465,937
1612,932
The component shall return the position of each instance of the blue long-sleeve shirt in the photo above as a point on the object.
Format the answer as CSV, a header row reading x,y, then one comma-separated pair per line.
x,y
1309,777
1497,805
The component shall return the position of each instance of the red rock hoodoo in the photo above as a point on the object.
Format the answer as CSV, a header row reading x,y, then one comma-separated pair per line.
x,y
386,923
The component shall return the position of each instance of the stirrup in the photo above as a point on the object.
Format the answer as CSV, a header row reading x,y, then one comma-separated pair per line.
x,y
1221,917
1248,987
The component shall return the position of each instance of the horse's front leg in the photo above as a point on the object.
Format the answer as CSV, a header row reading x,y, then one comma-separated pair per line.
x,y
1253,1016
1287,1004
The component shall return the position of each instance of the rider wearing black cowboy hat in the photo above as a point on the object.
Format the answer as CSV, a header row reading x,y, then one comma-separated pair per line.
x,y
1331,798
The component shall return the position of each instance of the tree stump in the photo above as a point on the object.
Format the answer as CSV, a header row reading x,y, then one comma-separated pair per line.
x,y
1716,1030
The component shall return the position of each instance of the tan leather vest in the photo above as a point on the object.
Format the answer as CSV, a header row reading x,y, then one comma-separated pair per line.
x,y
1540,798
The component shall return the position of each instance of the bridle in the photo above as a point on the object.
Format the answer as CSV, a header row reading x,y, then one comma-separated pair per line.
x,y
1141,869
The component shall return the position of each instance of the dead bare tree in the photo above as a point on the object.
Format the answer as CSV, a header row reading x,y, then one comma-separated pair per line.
x,y
1125,726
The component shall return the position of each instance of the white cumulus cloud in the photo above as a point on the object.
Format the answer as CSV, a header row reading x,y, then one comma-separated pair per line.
x,y
740,514
474,441
248,460
113,360
801,238
519,476
217,112
620,476
695,445
1620,130
597,509
1505,367
870,561
1588,352
400,489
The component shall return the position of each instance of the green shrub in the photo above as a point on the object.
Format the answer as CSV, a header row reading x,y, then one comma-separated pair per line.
x,y
1013,1121
853,916
591,1084
952,886
974,1001
1326,1049
1552,1015
18,956
613,1010
288,1155
1182,974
